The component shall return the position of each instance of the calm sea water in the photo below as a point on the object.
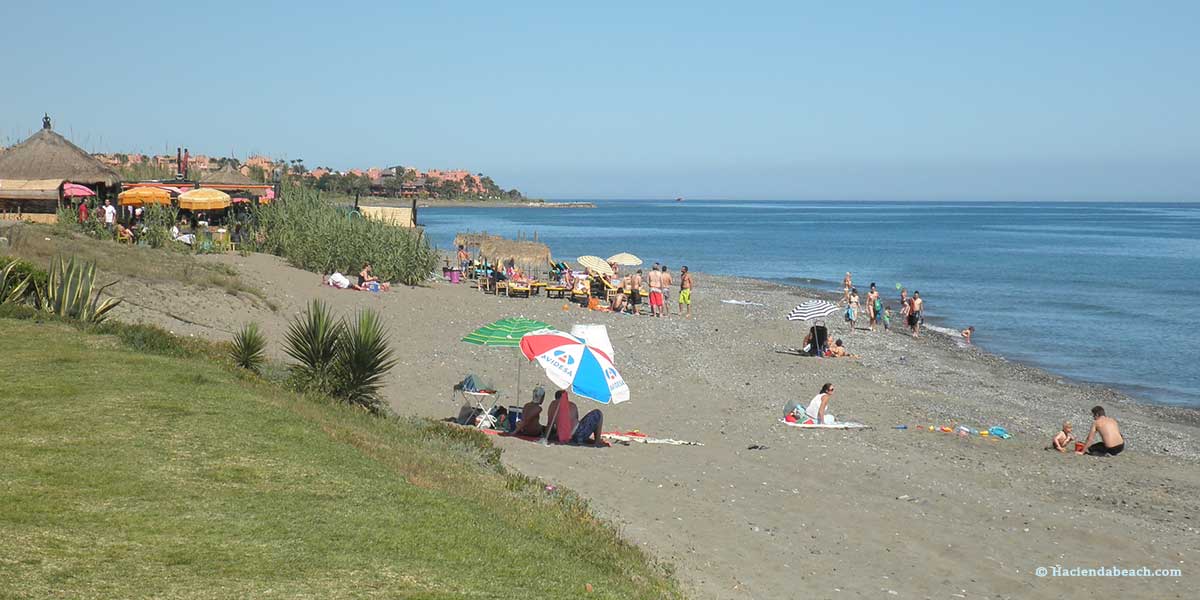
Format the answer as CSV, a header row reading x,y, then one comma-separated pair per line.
x,y
1105,293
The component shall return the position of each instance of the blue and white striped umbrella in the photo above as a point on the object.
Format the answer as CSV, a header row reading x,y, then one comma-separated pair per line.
x,y
812,309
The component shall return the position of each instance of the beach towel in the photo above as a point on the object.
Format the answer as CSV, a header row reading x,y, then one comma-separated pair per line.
x,y
631,436
836,425
742,303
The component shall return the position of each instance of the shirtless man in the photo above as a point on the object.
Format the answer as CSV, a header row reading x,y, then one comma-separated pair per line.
x,y
847,284
685,292
1111,443
635,291
666,290
654,279
917,314
872,301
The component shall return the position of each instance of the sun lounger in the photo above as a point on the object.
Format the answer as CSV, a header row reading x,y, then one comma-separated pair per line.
x,y
556,291
515,290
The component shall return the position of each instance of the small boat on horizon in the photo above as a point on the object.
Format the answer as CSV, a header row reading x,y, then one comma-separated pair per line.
x,y
679,199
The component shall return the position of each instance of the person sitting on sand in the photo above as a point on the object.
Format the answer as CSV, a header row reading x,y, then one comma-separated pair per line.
x,y
967,333
837,350
1063,439
366,278
619,303
565,417
818,405
1111,443
815,413
531,414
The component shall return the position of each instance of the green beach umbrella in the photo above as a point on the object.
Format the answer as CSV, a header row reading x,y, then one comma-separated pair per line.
x,y
506,333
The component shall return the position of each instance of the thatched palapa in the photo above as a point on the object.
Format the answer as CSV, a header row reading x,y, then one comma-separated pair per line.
x,y
226,175
473,240
528,255
47,155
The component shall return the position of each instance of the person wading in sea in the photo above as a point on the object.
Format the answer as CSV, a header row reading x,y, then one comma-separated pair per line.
x,y
917,316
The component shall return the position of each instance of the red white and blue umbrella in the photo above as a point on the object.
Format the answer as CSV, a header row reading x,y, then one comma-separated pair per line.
x,y
572,364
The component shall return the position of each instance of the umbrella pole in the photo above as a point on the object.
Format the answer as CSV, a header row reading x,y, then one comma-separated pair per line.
x,y
546,431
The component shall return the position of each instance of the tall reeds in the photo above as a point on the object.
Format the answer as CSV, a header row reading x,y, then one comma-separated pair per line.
x,y
315,234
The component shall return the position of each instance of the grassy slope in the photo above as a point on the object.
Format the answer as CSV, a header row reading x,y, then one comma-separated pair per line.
x,y
131,475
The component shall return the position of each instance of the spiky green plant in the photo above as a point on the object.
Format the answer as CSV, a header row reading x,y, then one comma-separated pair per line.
x,y
363,359
12,284
248,350
312,341
69,292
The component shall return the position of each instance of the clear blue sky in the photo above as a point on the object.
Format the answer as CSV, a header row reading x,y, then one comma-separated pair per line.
x,y
885,100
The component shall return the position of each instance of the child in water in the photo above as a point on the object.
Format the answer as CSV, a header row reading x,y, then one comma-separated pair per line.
x,y
967,333
1063,439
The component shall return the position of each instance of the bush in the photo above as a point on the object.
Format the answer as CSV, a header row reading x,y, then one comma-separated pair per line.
x,y
248,348
362,361
314,234
68,292
22,269
158,220
312,341
346,362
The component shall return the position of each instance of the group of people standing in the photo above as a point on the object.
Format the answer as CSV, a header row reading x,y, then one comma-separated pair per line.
x,y
658,284
912,309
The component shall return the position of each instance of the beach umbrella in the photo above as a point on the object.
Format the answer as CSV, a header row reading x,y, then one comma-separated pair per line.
x,y
596,264
625,259
74,190
143,195
204,199
505,333
572,363
812,309
239,200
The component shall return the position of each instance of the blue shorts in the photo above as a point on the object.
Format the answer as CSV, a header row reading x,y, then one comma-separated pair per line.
x,y
588,425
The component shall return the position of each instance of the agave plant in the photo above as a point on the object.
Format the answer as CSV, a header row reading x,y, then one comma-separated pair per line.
x,y
68,292
12,286
312,341
249,348
363,359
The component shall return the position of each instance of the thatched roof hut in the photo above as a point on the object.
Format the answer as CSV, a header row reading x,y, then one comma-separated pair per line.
x,y
473,240
47,155
531,256
227,175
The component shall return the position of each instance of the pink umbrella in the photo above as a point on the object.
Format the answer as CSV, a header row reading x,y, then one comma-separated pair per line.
x,y
74,190
270,195
239,200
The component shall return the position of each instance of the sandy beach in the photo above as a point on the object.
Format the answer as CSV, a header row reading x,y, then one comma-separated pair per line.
x,y
823,514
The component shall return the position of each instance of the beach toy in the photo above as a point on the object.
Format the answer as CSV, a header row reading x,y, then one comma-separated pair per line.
x,y
946,429
931,427
999,432
1079,446
900,427
983,433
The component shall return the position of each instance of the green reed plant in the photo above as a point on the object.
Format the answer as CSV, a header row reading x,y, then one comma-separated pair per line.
x,y
13,284
248,350
158,220
315,234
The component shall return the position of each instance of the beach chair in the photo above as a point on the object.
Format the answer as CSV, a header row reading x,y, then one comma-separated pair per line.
x,y
518,290
610,290
557,291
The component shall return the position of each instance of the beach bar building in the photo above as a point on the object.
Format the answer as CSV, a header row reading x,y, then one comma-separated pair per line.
x,y
32,173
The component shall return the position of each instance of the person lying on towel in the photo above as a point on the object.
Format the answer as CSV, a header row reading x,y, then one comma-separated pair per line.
x,y
568,428
815,412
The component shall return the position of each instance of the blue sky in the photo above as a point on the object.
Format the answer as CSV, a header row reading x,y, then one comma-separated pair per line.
x,y
886,100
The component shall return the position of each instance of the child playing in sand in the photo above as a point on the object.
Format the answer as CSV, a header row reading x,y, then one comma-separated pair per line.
x,y
1063,439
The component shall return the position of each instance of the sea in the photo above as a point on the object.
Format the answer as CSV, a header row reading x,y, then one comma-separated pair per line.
x,y
1105,293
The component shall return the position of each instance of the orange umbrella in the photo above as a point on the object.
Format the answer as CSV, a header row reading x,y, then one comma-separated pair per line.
x,y
144,195
204,199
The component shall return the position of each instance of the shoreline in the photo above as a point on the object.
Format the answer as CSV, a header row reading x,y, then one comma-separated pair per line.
x,y
734,515
434,203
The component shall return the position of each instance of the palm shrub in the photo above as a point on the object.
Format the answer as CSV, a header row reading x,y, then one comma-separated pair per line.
x,y
363,359
312,341
248,350
18,270
69,292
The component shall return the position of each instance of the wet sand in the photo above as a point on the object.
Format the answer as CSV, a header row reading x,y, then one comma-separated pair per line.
x,y
822,514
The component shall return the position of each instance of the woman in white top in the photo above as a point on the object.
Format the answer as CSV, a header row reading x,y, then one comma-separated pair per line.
x,y
818,405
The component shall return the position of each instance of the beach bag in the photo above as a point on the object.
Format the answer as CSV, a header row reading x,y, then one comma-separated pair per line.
x,y
373,286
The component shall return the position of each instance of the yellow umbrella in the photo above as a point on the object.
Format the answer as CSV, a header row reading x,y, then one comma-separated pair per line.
x,y
204,199
595,263
625,259
143,195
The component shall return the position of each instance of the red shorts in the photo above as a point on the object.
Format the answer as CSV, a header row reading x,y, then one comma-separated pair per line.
x,y
656,299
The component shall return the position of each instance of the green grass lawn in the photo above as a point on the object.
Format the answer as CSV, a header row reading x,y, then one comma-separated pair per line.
x,y
125,474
